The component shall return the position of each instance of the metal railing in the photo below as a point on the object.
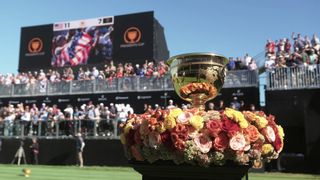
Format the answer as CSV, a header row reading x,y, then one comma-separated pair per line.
x,y
241,78
106,128
302,77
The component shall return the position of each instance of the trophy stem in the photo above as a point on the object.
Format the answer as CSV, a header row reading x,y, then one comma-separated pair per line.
x,y
198,102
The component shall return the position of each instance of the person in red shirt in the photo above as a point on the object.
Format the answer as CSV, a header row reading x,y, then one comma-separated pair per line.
x,y
270,47
287,46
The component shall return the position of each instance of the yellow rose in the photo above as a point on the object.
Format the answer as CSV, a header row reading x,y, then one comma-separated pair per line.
x,y
169,122
229,113
237,116
123,138
160,128
267,149
261,122
280,130
175,112
241,120
127,128
196,122
243,124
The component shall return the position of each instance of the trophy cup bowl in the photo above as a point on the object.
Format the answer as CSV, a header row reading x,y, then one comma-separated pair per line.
x,y
198,77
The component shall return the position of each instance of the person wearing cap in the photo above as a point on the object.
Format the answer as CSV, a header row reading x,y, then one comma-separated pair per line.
x,y
79,147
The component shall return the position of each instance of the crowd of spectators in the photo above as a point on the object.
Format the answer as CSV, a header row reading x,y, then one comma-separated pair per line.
x,y
108,72
245,63
298,51
90,119
70,119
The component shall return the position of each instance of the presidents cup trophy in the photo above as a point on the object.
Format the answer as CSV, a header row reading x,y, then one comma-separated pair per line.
x,y
198,77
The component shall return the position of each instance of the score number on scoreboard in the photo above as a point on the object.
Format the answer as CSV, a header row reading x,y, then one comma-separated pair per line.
x,y
101,21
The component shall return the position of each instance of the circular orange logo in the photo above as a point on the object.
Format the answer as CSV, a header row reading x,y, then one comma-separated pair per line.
x,y
35,45
132,35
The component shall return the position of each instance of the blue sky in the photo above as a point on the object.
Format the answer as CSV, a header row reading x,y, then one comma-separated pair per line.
x,y
229,27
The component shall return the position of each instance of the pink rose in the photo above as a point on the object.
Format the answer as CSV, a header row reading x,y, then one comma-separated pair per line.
x,y
214,127
269,133
237,142
184,117
203,142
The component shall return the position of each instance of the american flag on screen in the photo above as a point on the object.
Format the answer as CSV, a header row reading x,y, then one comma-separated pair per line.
x,y
76,51
58,26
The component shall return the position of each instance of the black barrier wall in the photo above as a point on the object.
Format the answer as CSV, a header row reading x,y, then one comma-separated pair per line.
x,y
135,99
63,152
298,111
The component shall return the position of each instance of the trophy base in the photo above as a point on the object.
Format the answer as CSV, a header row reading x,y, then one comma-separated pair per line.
x,y
167,170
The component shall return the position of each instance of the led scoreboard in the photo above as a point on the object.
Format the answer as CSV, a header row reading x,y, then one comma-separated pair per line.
x,y
89,42
101,21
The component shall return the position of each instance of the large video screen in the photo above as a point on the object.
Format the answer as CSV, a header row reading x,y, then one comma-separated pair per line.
x,y
77,42
124,38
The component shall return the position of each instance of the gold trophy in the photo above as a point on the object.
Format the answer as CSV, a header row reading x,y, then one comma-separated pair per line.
x,y
26,172
198,77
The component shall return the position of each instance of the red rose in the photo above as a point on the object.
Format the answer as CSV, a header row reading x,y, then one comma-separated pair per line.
x,y
257,145
271,120
153,121
251,133
278,144
214,127
180,128
158,114
190,128
230,127
179,145
166,139
221,142
179,132
130,137
136,153
137,138
174,137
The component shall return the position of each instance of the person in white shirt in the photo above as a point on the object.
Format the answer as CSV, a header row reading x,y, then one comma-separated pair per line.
x,y
247,59
252,65
95,72
270,64
170,106
25,120
69,112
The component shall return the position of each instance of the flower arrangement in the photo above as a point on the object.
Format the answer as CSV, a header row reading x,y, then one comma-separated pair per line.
x,y
202,137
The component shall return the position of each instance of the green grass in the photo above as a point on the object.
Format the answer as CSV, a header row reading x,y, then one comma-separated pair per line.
x,y
14,172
